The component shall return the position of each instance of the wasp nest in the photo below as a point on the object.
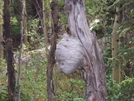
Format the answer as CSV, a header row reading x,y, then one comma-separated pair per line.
x,y
69,54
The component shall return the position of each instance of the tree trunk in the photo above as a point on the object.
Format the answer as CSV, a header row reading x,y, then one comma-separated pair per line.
x,y
44,22
9,51
115,41
95,76
1,40
25,24
1,30
50,19
51,56
40,5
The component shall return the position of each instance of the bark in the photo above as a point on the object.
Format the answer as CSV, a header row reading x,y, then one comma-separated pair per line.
x,y
25,23
20,50
44,23
1,30
49,17
1,41
95,76
9,51
51,56
116,73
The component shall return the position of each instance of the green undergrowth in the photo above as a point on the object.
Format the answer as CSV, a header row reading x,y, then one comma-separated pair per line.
x,y
66,87
33,81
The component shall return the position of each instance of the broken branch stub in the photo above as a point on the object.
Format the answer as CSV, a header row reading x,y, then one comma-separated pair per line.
x,y
69,54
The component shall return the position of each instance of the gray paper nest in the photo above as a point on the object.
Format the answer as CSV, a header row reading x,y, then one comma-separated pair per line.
x,y
69,54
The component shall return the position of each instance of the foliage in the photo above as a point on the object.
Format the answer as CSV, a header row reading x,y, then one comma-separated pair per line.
x,y
96,8
36,38
3,81
127,90
4,94
113,89
69,87
15,25
120,92
124,90
125,52
33,81
33,85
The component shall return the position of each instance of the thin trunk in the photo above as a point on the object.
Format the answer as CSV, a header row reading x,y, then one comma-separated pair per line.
x,y
1,30
25,24
20,51
51,57
95,76
1,40
116,73
50,19
9,51
42,17
44,22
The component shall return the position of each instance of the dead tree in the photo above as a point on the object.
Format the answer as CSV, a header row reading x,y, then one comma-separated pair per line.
x,y
83,44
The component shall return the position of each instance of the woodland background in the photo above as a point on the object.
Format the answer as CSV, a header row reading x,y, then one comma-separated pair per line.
x,y
115,39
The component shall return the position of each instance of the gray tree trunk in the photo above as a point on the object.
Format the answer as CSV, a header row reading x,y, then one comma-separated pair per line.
x,y
95,76
23,25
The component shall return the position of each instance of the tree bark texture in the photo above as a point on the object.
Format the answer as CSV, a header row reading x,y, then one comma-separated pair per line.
x,y
1,41
23,25
1,30
95,76
116,72
9,51
51,56
44,23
